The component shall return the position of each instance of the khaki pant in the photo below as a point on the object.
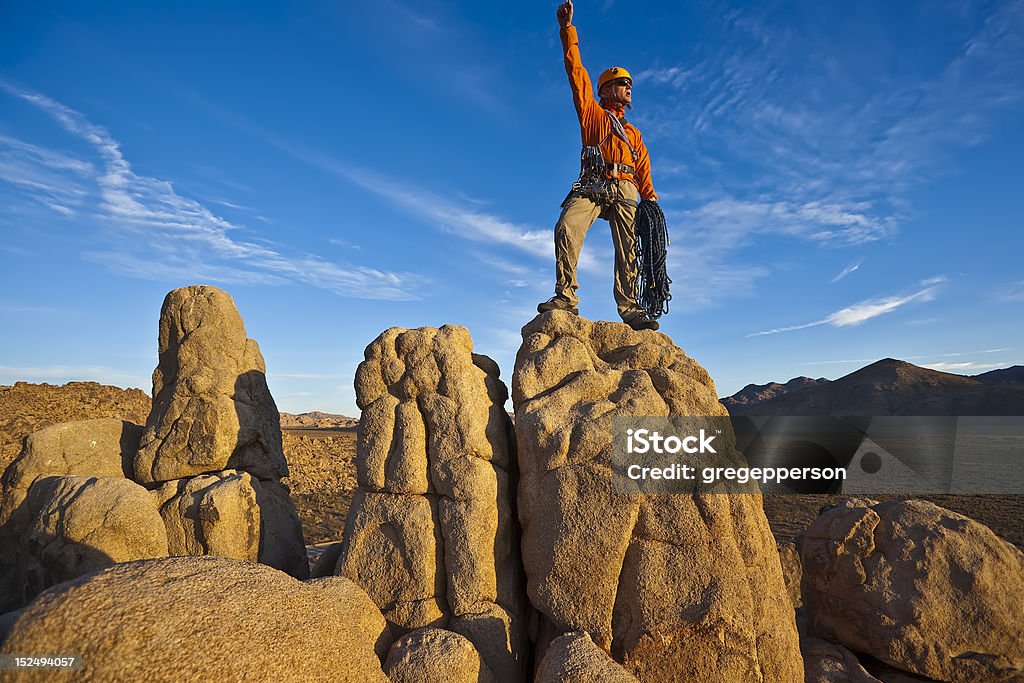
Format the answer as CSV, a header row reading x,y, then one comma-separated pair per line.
x,y
577,217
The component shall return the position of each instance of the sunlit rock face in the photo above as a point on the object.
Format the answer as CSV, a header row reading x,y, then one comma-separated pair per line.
x,y
674,587
918,586
431,534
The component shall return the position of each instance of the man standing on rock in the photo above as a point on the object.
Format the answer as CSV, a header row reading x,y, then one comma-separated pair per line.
x,y
616,174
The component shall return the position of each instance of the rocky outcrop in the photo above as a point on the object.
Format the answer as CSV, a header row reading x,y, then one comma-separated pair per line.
x,y
433,655
212,409
922,588
205,618
574,657
80,524
431,533
212,514
676,587
92,448
34,550
75,500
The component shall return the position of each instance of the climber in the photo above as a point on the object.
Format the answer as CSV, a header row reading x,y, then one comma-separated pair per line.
x,y
615,176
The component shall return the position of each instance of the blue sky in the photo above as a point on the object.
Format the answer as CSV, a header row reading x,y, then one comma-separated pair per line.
x,y
843,181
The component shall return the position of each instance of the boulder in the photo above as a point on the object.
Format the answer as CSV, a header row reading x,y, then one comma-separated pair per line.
x,y
434,655
574,657
231,514
676,587
212,514
205,618
431,533
826,662
917,586
80,524
92,448
212,409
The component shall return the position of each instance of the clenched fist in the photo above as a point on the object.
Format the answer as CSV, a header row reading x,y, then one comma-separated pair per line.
x,y
564,13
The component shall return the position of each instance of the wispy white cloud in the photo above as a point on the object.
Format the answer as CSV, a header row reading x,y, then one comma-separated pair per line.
x,y
1012,293
958,367
853,267
731,222
21,308
343,243
829,147
911,357
162,234
865,310
463,219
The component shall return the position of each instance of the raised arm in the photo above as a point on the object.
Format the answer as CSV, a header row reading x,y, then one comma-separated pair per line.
x,y
587,108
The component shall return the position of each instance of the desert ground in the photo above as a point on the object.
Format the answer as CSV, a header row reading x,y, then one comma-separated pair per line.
x,y
321,459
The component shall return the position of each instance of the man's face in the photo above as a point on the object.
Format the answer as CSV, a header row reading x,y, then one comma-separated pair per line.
x,y
620,90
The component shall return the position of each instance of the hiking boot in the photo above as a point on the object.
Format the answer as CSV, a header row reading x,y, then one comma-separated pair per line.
x,y
642,322
557,303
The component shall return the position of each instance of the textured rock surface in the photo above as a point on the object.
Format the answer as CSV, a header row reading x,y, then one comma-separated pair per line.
x,y
212,412
205,618
574,657
922,588
211,406
683,586
789,557
232,514
432,655
93,448
80,524
431,533
826,662
212,514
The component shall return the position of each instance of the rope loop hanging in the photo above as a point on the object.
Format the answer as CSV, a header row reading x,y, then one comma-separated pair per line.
x,y
652,242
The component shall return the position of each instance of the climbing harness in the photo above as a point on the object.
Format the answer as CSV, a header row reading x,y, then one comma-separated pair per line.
x,y
593,182
652,283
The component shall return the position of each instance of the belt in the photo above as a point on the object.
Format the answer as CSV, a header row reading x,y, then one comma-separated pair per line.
x,y
619,168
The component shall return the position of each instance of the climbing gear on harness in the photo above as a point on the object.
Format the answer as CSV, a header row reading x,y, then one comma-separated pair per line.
x,y
594,183
614,73
557,303
652,284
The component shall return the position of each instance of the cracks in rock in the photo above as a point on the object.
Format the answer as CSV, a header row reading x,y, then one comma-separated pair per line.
x,y
547,392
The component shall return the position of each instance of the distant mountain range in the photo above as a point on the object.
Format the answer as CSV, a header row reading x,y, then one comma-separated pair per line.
x,y
887,387
317,420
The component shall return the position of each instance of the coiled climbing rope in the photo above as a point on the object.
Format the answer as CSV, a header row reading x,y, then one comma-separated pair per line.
x,y
651,253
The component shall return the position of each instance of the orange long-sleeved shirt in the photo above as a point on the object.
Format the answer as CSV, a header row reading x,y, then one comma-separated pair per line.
x,y
595,128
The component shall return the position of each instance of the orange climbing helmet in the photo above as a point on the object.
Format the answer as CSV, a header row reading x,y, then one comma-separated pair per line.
x,y
613,74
